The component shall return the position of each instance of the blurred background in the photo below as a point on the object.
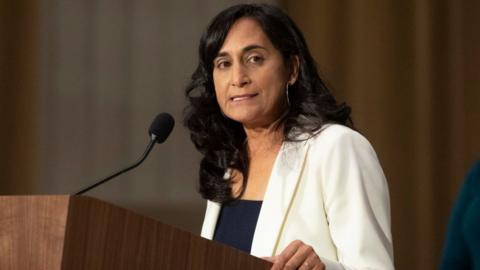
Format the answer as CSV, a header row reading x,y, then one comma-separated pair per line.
x,y
80,82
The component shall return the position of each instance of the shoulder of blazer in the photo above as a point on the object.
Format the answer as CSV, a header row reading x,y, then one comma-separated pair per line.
x,y
336,136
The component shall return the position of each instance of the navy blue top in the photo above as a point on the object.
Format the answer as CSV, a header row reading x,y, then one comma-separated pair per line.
x,y
236,224
462,245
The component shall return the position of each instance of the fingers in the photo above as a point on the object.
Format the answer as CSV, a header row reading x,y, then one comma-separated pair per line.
x,y
297,255
291,249
280,260
299,259
283,260
311,262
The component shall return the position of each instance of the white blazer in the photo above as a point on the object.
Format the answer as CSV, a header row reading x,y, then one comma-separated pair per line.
x,y
329,192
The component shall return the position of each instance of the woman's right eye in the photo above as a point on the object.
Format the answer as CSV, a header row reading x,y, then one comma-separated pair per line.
x,y
223,64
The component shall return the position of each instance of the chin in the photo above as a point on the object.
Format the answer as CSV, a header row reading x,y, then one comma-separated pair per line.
x,y
243,119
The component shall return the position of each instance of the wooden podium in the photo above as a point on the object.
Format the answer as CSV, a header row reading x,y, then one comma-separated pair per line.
x,y
78,232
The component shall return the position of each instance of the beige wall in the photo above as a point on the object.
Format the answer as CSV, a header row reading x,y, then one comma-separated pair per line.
x,y
18,78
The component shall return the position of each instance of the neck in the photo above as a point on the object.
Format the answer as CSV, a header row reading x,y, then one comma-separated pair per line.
x,y
264,138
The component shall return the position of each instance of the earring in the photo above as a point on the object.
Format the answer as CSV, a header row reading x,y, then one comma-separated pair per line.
x,y
288,98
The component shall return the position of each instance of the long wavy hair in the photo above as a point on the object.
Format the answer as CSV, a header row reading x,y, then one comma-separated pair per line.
x,y
221,140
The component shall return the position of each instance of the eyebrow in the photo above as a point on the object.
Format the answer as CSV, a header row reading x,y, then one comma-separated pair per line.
x,y
244,50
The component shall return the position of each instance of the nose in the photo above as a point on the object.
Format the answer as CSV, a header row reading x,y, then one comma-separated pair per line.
x,y
240,76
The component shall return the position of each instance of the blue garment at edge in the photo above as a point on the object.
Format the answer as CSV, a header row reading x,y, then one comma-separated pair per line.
x,y
462,245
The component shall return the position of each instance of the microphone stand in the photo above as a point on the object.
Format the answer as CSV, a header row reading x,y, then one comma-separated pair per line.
x,y
150,146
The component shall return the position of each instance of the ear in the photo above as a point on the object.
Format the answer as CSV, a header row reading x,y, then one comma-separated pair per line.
x,y
294,69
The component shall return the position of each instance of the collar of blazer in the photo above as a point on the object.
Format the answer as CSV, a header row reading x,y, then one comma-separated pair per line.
x,y
280,192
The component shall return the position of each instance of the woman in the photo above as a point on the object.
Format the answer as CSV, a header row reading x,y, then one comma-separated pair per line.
x,y
285,176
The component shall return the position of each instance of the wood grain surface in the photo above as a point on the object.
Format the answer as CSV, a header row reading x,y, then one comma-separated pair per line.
x,y
77,232
32,230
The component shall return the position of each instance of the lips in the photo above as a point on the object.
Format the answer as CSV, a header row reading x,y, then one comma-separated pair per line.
x,y
243,97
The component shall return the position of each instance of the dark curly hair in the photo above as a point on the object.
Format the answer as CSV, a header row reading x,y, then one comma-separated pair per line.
x,y
221,140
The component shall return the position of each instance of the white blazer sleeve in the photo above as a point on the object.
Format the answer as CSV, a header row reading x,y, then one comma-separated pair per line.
x,y
356,202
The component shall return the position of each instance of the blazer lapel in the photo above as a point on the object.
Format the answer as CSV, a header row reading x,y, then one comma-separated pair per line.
x,y
278,196
210,220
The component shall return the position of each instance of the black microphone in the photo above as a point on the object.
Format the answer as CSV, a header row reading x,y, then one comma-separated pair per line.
x,y
159,130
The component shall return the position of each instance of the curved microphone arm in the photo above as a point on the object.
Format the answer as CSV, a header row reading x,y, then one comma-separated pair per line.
x,y
150,146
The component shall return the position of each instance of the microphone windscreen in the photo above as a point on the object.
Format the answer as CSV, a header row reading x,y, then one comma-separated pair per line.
x,y
162,126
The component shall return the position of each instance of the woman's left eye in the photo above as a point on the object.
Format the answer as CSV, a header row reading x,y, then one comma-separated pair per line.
x,y
255,59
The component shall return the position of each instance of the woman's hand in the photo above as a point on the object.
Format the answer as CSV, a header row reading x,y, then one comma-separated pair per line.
x,y
297,255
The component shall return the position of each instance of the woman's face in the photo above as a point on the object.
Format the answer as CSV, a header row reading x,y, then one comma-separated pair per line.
x,y
250,76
